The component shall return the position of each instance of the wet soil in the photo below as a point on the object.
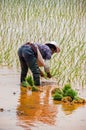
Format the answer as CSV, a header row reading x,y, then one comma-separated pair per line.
x,y
21,109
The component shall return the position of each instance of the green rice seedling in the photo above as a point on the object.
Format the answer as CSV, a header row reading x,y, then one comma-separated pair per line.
x,y
78,100
25,84
57,96
65,88
34,88
71,92
29,80
66,95
29,83
22,21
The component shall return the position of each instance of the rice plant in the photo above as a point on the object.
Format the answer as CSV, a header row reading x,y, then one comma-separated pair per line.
x,y
42,21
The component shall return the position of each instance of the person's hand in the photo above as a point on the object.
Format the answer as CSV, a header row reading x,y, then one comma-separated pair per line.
x,y
41,74
47,69
49,75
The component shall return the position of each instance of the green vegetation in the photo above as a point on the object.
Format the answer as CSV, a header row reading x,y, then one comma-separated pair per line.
x,y
30,80
70,92
66,87
66,94
46,20
25,84
57,96
29,83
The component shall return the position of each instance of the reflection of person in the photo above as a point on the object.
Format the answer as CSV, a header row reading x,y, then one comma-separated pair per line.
x,y
32,55
36,107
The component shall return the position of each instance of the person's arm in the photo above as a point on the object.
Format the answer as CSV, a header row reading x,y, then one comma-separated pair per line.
x,y
47,68
40,60
46,64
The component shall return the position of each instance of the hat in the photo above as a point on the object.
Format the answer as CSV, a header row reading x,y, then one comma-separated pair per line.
x,y
54,44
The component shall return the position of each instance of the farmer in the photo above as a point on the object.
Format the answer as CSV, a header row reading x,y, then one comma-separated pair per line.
x,y
35,55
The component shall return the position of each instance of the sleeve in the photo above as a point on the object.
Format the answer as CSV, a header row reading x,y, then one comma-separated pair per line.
x,y
48,53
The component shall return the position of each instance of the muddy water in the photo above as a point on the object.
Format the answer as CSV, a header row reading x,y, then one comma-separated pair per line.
x,y
21,109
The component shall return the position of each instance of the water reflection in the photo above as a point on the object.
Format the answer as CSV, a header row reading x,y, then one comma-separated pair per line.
x,y
36,107
39,108
68,108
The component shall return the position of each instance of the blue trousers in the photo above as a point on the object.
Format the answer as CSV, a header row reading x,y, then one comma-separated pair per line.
x,y
27,60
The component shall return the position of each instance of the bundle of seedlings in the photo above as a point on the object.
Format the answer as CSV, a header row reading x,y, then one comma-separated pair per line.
x,y
67,94
29,83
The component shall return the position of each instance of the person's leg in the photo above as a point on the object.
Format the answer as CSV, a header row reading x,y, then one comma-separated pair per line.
x,y
35,70
32,63
24,67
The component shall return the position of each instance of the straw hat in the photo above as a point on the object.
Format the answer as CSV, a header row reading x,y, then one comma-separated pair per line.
x,y
54,45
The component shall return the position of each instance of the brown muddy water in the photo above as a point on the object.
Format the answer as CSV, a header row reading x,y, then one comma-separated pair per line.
x,y
21,109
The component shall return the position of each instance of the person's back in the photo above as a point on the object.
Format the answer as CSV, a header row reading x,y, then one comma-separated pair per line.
x,y
44,50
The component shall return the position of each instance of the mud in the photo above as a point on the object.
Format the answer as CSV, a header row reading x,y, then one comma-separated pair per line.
x,y
21,109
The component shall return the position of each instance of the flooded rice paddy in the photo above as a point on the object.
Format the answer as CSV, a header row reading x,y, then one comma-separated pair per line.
x,y
21,109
